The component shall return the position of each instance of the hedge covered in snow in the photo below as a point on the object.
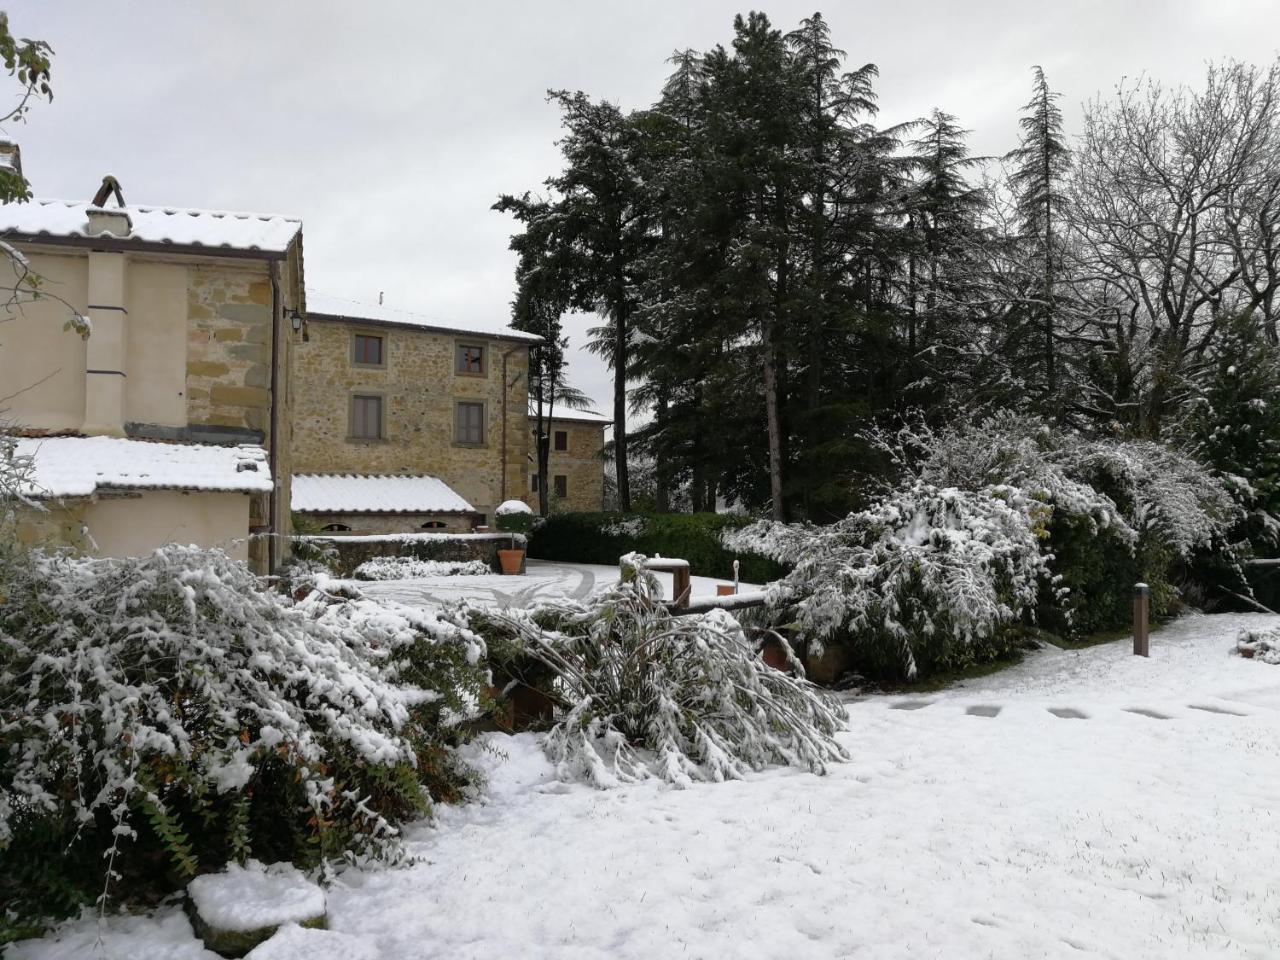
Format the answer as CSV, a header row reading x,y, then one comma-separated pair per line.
x,y
993,527
164,715
405,568
640,693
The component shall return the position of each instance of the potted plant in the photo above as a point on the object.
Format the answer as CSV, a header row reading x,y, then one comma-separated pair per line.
x,y
513,517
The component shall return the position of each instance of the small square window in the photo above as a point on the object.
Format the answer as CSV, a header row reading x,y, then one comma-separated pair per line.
x,y
562,439
470,359
562,486
366,350
366,417
469,423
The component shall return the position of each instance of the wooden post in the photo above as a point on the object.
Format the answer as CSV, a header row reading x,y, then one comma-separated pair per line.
x,y
1141,610
680,586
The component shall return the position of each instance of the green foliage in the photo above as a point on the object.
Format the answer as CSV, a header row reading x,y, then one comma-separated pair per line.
x,y
162,716
514,522
605,537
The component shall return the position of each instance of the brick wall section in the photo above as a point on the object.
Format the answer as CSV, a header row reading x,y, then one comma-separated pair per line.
x,y
580,464
419,389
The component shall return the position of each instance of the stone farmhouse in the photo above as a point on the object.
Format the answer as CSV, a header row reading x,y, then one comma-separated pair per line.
x,y
574,465
215,399
406,425
163,424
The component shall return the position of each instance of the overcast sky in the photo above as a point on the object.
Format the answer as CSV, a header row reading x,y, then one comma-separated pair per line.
x,y
391,127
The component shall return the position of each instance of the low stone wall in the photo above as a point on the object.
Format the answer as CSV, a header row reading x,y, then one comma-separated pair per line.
x,y
353,551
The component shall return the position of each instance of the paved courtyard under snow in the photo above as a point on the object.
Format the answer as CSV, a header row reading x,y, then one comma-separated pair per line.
x,y
1082,804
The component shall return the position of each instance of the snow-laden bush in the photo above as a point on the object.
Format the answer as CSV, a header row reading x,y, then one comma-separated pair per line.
x,y
928,578
641,693
1261,645
163,715
407,568
994,525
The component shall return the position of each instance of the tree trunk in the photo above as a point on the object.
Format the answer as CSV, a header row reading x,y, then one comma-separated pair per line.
x,y
662,474
620,391
771,417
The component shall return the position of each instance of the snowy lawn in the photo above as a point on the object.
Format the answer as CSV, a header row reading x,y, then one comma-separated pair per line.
x,y
1082,804
542,579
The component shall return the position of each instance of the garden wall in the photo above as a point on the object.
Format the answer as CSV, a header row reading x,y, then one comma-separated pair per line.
x,y
353,551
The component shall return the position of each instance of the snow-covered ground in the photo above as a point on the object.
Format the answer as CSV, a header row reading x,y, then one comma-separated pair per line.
x,y
542,579
1083,804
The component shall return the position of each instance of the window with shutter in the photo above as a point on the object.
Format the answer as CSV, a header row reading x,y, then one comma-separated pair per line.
x,y
366,350
470,360
562,440
469,423
366,417
562,486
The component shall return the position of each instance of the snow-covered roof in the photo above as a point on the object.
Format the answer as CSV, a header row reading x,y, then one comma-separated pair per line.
x,y
81,466
325,305
575,416
351,493
215,229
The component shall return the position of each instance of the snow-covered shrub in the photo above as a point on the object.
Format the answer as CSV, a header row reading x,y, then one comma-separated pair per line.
x,y
407,568
1122,510
163,715
1261,645
642,693
929,578
513,516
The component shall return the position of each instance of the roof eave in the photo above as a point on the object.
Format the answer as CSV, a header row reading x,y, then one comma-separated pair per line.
x,y
130,245
527,339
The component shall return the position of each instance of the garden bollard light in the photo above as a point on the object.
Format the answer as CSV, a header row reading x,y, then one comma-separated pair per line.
x,y
1141,634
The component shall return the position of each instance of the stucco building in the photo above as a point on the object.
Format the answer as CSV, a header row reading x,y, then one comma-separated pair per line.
x,y
575,466
169,421
403,424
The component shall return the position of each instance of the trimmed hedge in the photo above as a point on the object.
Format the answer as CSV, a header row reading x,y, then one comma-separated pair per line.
x,y
604,537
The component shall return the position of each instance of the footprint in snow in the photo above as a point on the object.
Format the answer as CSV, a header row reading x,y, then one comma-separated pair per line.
x,y
1068,713
1210,708
983,710
1144,712
910,704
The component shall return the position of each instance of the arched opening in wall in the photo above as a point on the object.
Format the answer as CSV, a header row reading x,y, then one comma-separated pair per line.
x,y
336,528
433,525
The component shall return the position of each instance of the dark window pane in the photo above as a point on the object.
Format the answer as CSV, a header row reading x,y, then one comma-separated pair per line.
x,y
562,486
368,350
533,479
562,440
470,359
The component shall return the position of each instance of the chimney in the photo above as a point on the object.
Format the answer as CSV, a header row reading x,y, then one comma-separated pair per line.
x,y
108,223
10,157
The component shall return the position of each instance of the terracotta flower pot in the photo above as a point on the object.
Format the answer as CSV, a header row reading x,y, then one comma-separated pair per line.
x,y
1247,652
511,561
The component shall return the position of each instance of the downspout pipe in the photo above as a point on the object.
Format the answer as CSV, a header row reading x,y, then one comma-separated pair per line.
x,y
505,388
273,502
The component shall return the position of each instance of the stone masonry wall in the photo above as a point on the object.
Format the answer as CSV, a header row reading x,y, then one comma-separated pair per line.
x,y
419,389
580,464
229,348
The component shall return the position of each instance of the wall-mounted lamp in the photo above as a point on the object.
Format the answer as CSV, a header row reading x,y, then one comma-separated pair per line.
x,y
295,319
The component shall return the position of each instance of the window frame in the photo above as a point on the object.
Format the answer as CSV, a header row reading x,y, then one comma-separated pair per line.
x,y
534,480
461,345
555,441
457,423
560,485
356,336
357,395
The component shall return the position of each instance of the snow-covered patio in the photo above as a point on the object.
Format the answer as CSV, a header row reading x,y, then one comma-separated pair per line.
x,y
1083,804
543,579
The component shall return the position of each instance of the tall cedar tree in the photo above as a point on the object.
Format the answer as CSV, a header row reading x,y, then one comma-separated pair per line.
x,y
1041,164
